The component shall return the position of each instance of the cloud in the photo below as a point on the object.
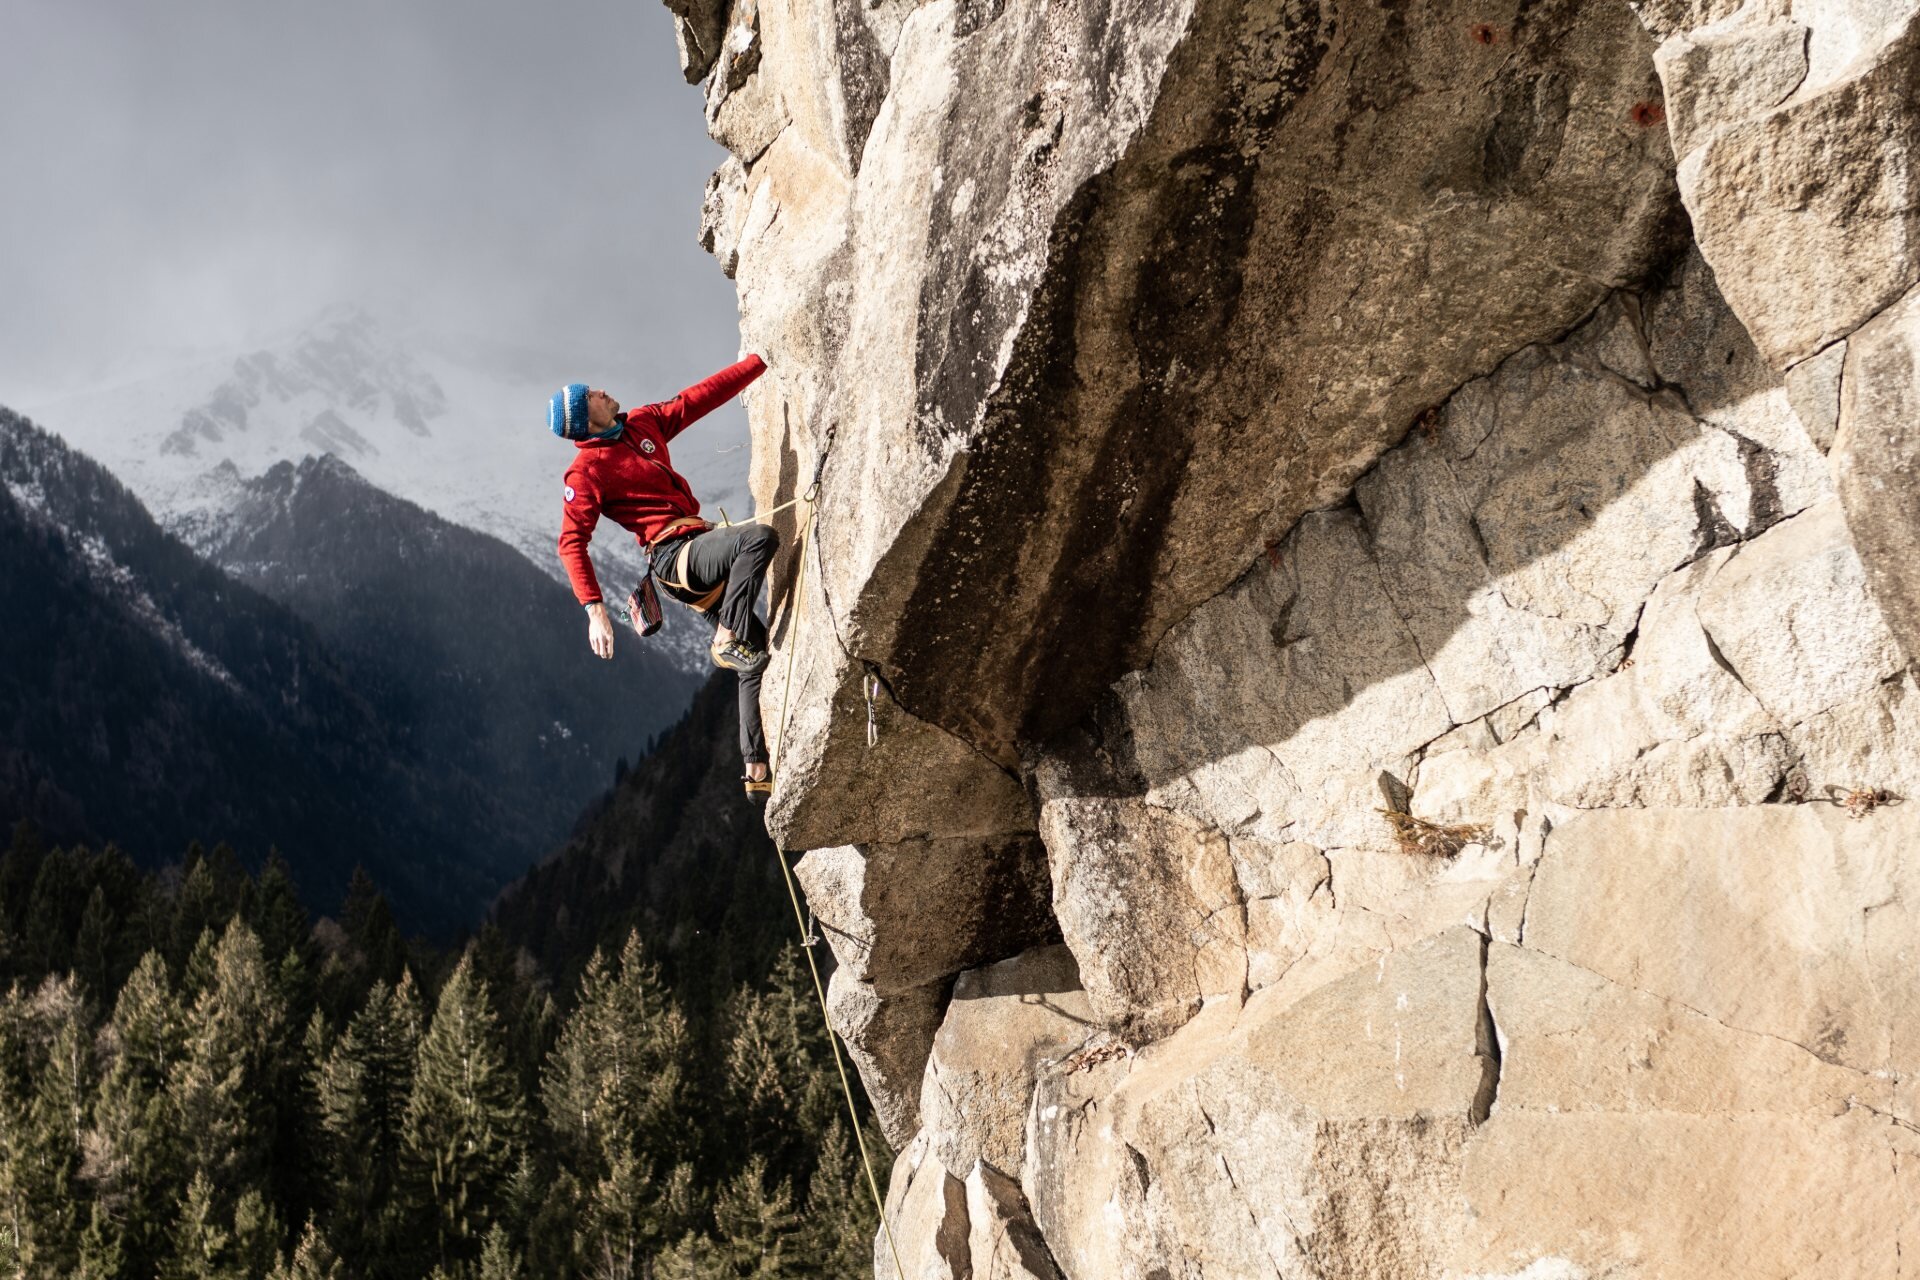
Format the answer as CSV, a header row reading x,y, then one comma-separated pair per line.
x,y
202,174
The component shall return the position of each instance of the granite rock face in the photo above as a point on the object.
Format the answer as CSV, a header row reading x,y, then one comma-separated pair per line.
x,y
1078,295
1352,707
1803,119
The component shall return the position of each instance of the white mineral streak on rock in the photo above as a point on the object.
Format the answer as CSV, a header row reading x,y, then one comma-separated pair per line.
x,y
1252,416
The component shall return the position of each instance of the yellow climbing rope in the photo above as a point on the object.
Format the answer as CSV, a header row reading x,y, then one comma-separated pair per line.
x,y
761,517
799,608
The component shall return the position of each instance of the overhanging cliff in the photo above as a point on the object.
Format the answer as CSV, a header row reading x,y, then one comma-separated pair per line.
x,y
1384,533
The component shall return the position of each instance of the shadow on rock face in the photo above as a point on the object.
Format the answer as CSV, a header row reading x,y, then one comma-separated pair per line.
x,y
1266,289
1609,574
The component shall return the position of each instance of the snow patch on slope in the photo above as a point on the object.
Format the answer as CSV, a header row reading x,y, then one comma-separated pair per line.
x,y
118,582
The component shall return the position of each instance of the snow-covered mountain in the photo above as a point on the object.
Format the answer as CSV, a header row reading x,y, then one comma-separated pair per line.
x,y
456,426
338,674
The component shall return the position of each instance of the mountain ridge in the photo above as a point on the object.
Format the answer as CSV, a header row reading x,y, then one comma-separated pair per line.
x,y
453,635
153,698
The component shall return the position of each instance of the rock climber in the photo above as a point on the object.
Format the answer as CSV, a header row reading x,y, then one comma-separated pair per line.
x,y
622,470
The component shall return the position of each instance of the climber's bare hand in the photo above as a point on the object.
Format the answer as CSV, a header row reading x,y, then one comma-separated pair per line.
x,y
599,631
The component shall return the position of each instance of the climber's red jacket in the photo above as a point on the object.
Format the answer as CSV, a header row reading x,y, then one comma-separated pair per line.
x,y
631,479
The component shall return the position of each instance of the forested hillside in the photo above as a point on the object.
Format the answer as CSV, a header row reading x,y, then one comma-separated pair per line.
x,y
675,851
197,1081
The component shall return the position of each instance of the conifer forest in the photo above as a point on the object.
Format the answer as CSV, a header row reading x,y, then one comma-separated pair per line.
x,y
201,1081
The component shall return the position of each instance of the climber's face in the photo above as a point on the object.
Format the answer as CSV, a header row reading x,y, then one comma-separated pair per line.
x,y
600,410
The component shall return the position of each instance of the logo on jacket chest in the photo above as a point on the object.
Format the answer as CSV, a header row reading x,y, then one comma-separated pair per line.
x,y
646,446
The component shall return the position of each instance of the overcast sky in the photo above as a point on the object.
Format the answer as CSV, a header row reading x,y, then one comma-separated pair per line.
x,y
201,174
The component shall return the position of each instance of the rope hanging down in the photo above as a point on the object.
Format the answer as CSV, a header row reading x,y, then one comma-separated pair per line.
x,y
798,608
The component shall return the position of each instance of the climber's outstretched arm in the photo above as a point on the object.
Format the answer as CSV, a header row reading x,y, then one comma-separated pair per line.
x,y
697,401
578,514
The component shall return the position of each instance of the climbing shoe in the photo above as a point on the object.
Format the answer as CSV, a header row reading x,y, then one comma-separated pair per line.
x,y
737,655
759,792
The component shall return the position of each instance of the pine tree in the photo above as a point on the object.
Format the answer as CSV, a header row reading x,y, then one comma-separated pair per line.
x,y
779,1083
313,1259
102,1256
840,1221
126,891
223,1086
615,1096
199,1244
363,1084
545,1198
464,1120
196,973
757,1227
196,908
370,928
694,1257
94,949
297,1180
257,1232
498,1261
525,1011
615,1227
60,1106
758,1103
133,1161
277,914
209,1244
53,912
45,1076
148,923
18,870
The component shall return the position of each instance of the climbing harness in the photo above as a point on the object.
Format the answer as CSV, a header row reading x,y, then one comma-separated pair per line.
x,y
804,921
685,594
697,601
643,602
643,605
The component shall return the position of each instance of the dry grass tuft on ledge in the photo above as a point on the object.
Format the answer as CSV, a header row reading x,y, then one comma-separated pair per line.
x,y
1425,839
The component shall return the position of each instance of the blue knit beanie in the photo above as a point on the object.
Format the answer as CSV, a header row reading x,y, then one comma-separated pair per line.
x,y
567,412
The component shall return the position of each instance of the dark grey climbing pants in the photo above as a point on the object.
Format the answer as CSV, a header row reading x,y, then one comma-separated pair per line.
x,y
737,555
